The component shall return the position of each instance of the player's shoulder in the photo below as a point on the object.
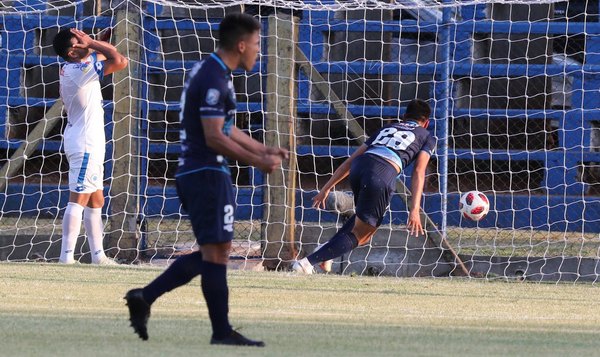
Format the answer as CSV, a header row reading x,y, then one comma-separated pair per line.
x,y
212,66
208,74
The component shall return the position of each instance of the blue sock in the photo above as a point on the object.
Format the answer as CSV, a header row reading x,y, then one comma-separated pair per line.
x,y
181,271
341,243
347,227
216,294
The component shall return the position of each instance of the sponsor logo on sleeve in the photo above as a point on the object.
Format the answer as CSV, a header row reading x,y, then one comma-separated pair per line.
x,y
212,96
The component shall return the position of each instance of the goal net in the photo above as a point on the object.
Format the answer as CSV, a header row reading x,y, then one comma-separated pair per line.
x,y
513,86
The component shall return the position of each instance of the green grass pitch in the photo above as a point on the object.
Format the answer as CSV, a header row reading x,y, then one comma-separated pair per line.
x,y
52,310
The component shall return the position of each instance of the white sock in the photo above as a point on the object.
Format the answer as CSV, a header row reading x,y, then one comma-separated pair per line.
x,y
94,228
71,226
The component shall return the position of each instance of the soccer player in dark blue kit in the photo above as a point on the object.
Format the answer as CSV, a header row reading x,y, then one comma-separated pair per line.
x,y
204,185
373,169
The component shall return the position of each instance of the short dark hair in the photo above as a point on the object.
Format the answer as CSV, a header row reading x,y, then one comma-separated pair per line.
x,y
62,43
234,27
417,109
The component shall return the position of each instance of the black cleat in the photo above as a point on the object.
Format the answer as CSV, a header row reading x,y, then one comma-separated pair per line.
x,y
139,312
236,339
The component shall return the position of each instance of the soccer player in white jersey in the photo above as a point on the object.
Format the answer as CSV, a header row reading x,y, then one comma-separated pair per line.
x,y
87,62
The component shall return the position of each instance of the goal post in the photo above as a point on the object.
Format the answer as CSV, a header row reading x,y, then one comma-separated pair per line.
x,y
512,84
122,229
280,131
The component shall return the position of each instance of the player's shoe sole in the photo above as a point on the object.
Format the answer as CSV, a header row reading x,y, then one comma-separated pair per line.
x,y
303,267
236,339
139,312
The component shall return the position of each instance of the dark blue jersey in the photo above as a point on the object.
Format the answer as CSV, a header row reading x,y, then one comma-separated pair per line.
x,y
401,142
208,93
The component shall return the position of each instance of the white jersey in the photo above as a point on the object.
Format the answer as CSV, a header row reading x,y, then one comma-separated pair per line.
x,y
82,98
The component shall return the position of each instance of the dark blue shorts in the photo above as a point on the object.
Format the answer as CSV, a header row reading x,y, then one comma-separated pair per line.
x,y
373,181
207,196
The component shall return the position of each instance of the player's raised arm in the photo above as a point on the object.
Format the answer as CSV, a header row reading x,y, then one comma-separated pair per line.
x,y
339,174
114,60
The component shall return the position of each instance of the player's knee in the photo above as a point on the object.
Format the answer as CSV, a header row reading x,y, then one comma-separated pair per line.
x,y
362,230
216,253
365,239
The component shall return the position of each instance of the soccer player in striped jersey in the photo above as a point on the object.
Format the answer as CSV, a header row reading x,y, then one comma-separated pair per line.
x,y
204,185
87,62
373,169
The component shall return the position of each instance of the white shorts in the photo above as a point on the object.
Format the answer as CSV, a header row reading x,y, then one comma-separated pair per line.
x,y
86,173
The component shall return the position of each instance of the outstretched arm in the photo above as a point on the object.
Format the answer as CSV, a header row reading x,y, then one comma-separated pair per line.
x,y
340,173
114,60
414,225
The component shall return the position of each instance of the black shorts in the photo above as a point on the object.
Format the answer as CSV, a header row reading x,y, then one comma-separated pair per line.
x,y
207,196
373,181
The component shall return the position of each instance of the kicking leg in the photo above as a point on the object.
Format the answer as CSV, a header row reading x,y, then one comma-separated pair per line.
x,y
347,227
341,243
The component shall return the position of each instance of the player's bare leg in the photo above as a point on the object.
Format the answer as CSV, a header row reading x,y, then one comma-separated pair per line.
x,y
363,231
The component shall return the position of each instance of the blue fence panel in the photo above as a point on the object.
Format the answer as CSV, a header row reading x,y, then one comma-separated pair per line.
x,y
563,208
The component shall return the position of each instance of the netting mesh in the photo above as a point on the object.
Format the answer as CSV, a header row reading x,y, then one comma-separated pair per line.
x,y
513,88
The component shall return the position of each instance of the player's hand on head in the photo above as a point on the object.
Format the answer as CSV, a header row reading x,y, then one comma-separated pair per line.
x,y
414,225
83,39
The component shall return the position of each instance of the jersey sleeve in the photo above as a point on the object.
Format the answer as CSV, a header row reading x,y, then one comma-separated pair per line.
x,y
429,146
212,99
98,66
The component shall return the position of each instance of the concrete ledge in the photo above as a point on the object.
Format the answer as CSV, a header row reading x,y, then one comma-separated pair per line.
x,y
546,269
391,252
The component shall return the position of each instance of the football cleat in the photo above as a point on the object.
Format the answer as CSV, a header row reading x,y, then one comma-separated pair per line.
x,y
236,339
303,267
139,312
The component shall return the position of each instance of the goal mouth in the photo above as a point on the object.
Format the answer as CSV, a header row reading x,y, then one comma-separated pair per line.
x,y
505,85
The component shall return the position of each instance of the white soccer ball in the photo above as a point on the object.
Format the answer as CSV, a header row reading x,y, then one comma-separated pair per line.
x,y
474,205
